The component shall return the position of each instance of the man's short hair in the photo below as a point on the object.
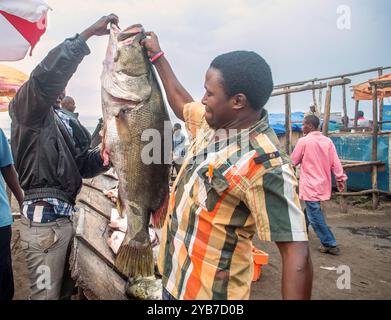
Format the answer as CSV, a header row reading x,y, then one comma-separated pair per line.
x,y
360,113
177,126
245,72
313,120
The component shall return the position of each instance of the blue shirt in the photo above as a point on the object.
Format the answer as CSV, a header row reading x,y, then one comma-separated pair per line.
x,y
5,161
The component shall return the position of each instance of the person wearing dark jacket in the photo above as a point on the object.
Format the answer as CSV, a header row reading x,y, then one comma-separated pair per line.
x,y
52,154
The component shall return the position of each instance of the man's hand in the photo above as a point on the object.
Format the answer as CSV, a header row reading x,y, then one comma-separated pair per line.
x,y
341,186
151,43
99,28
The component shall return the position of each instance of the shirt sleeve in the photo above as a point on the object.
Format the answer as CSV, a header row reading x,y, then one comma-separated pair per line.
x,y
5,152
298,153
336,165
275,206
194,115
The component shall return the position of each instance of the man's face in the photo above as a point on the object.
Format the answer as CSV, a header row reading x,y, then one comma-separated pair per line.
x,y
218,109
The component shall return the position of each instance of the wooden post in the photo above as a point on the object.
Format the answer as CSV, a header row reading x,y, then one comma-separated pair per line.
x,y
327,108
288,123
380,114
342,201
345,111
356,112
380,73
375,195
320,102
314,97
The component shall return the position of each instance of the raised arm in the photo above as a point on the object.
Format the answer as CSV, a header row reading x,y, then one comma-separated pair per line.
x,y
49,79
177,95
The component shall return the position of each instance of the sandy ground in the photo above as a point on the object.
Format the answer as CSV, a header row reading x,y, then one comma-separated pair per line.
x,y
364,237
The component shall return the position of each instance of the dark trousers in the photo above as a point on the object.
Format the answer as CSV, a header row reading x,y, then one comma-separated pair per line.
x,y
6,275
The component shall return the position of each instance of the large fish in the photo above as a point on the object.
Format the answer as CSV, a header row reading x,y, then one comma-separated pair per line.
x,y
132,102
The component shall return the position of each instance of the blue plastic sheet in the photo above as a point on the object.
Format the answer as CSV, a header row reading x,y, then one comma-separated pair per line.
x,y
359,147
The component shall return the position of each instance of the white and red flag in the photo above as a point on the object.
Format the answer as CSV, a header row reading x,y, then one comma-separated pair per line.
x,y
22,23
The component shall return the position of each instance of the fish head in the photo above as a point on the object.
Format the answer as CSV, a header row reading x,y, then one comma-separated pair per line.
x,y
131,58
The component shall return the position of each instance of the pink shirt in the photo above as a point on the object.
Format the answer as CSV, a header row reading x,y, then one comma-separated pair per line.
x,y
318,157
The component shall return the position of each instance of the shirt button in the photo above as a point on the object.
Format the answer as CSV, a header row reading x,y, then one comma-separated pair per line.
x,y
46,251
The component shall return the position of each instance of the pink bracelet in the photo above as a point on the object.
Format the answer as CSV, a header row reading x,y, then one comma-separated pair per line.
x,y
156,56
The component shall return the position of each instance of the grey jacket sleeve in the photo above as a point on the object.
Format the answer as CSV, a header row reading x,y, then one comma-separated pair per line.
x,y
92,164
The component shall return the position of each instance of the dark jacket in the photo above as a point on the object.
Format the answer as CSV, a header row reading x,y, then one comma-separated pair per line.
x,y
51,162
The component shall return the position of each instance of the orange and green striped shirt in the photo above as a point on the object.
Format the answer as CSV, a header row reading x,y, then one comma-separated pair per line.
x,y
206,247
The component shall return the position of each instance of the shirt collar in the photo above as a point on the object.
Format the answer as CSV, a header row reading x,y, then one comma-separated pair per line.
x,y
316,133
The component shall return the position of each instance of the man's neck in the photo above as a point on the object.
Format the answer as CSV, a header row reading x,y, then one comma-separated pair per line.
x,y
243,123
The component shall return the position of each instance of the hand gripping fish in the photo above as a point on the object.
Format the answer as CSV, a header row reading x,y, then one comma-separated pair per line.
x,y
132,102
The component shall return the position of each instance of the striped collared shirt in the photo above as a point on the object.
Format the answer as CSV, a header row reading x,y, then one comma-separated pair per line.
x,y
207,237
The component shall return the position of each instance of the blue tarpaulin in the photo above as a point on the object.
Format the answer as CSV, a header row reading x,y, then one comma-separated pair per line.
x,y
359,148
387,116
277,122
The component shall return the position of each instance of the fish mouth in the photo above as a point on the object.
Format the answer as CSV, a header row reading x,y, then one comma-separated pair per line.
x,y
129,35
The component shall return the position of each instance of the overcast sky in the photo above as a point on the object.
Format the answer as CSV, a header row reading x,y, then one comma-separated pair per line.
x,y
300,39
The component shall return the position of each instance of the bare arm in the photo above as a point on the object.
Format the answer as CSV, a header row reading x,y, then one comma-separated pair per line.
x,y
11,178
177,95
296,270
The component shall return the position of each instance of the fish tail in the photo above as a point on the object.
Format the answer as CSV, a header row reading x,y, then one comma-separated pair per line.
x,y
159,216
133,261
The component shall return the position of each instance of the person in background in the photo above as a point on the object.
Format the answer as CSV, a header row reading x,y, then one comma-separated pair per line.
x,y
11,179
179,147
318,157
361,120
313,111
68,106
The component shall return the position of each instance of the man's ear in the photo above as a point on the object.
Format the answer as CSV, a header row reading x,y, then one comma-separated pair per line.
x,y
239,101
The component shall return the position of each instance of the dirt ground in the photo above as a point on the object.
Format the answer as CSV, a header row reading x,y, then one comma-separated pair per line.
x,y
364,237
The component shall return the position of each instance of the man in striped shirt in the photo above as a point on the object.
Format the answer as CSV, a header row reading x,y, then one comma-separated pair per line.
x,y
234,182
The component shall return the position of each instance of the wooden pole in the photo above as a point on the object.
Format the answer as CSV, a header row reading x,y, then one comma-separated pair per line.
x,y
380,73
380,114
342,201
327,108
375,195
288,123
320,85
320,102
345,111
298,83
314,97
356,112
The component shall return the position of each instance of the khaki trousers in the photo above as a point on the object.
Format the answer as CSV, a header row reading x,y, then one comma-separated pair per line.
x,y
46,246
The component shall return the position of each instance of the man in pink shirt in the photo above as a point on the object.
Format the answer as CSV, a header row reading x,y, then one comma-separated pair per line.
x,y
318,157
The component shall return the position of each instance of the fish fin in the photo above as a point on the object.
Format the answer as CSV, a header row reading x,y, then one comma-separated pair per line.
x,y
159,215
135,261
